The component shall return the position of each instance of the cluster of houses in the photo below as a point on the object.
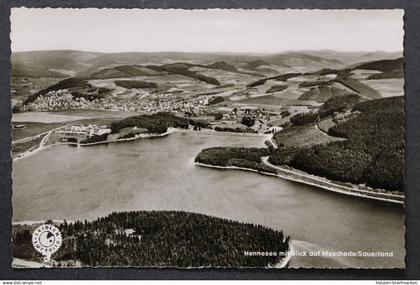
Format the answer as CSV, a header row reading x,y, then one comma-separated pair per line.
x,y
59,100
144,101
88,130
250,111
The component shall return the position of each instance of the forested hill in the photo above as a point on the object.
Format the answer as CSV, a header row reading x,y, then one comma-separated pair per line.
x,y
373,152
161,238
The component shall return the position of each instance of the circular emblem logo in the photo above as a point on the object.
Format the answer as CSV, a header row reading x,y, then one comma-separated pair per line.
x,y
46,239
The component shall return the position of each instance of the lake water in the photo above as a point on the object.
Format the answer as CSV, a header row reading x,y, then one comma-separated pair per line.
x,y
159,174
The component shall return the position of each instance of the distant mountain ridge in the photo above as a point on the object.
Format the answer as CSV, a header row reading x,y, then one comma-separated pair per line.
x,y
60,63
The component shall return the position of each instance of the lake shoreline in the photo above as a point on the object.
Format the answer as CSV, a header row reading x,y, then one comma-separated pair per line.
x,y
333,187
294,175
142,136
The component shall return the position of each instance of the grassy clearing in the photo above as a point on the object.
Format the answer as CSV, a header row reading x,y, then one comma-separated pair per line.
x,y
326,124
19,148
33,129
303,136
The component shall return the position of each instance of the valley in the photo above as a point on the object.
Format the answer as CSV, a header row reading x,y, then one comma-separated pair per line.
x,y
185,84
172,134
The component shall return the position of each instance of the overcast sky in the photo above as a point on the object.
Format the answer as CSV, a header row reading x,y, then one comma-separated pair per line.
x,y
119,30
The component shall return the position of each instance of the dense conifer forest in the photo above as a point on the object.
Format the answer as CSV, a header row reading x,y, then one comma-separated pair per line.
x,y
161,238
235,156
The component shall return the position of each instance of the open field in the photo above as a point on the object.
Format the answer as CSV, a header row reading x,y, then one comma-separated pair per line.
x,y
326,124
387,87
304,136
33,129
44,117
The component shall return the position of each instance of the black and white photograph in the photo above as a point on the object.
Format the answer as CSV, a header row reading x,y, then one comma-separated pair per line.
x,y
217,138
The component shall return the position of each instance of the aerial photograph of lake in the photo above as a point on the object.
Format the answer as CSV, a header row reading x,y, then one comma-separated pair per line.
x,y
189,144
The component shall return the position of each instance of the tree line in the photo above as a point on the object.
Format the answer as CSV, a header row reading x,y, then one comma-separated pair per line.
x,y
156,123
235,156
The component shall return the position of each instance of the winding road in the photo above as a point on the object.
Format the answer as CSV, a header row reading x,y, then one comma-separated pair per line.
x,y
298,176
